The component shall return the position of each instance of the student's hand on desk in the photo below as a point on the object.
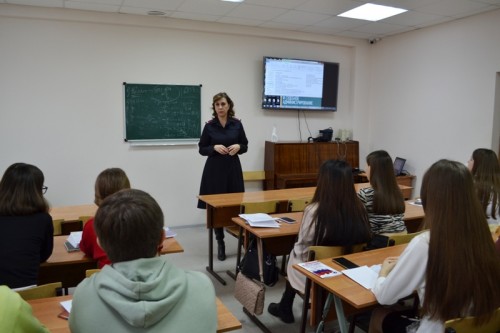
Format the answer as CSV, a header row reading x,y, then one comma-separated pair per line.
x,y
387,266
234,149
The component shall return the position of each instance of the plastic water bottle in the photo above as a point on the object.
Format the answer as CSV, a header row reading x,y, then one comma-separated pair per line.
x,y
274,135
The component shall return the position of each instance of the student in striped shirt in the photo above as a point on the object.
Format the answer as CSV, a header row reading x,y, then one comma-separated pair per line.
x,y
383,200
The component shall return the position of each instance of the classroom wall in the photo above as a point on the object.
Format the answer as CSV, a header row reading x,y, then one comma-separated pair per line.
x,y
61,98
432,92
422,95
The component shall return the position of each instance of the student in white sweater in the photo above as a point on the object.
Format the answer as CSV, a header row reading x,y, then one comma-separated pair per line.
x,y
453,266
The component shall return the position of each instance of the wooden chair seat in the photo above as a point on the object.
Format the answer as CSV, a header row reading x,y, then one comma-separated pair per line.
x,y
90,272
402,238
467,325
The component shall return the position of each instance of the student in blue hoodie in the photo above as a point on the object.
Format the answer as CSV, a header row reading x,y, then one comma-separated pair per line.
x,y
140,291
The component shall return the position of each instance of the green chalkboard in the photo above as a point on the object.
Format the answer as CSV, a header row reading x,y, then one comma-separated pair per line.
x,y
156,112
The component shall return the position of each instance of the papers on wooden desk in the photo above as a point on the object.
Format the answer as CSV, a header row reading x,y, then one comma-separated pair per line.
x,y
169,233
319,269
73,241
364,275
260,220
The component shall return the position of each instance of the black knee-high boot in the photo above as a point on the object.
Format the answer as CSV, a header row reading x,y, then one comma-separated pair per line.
x,y
221,246
283,309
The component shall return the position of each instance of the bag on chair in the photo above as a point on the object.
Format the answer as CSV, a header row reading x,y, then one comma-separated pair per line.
x,y
250,265
250,294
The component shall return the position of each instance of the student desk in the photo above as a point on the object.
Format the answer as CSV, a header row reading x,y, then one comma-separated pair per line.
x,y
341,288
70,267
47,309
222,207
71,213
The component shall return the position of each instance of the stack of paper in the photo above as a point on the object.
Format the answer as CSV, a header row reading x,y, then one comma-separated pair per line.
x,y
75,237
363,275
319,269
260,220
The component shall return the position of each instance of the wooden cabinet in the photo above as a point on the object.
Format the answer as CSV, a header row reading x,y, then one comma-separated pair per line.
x,y
296,164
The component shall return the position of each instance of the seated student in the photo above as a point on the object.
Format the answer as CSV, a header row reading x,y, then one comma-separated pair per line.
x,y
140,291
383,200
16,315
26,229
453,266
108,182
485,168
335,217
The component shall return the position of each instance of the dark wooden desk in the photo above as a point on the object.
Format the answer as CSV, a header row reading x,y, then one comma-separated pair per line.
x,y
47,309
69,267
290,159
341,288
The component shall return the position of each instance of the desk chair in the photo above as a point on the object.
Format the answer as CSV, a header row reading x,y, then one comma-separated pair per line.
x,y
268,207
57,226
466,325
317,253
43,291
68,226
90,272
402,238
85,219
298,205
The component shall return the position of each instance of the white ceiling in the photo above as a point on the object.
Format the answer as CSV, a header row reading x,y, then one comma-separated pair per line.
x,y
314,16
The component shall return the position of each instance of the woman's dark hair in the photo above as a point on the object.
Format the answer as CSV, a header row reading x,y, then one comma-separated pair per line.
x,y
129,225
463,268
230,112
341,218
21,191
108,182
387,198
486,172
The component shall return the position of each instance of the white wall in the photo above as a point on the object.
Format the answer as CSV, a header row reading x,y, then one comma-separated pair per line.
x,y
432,92
61,99
423,95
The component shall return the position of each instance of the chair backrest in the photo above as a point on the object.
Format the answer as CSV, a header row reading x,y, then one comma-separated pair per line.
x,y
402,238
68,226
298,205
466,325
57,226
85,219
267,207
89,272
43,291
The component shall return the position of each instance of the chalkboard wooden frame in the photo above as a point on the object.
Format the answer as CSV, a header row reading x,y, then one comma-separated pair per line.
x,y
162,114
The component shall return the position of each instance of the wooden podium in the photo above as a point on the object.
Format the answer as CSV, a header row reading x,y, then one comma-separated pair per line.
x,y
296,164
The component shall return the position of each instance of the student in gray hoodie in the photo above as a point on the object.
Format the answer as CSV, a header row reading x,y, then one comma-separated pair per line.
x,y
141,291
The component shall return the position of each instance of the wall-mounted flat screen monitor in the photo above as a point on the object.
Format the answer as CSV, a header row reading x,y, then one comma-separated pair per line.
x,y
297,84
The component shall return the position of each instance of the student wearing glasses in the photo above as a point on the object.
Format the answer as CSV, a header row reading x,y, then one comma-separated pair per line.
x,y
26,229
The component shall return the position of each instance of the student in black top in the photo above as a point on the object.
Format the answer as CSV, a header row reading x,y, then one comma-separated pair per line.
x,y
222,140
26,230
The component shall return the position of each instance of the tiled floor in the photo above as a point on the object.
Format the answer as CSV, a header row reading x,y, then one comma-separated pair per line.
x,y
194,240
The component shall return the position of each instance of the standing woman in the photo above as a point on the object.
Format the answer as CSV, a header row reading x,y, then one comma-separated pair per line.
x,y
108,182
383,200
222,140
453,265
485,169
335,217
26,230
